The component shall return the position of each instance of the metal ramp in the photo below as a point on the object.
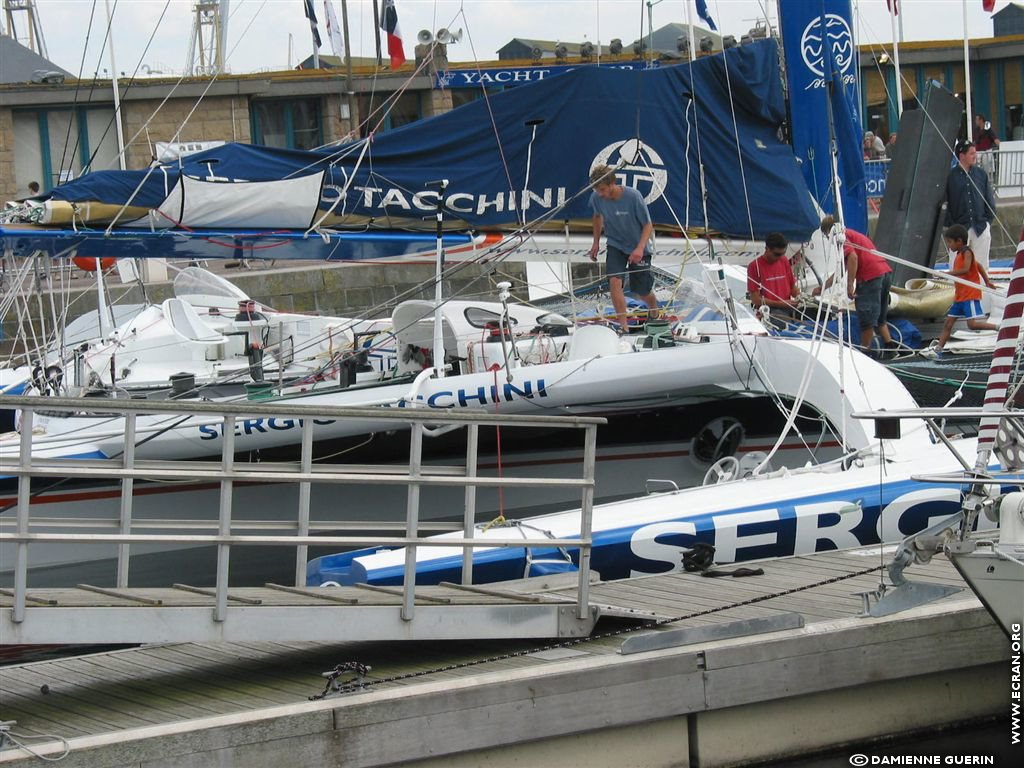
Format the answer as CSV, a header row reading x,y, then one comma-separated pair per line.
x,y
277,613
122,613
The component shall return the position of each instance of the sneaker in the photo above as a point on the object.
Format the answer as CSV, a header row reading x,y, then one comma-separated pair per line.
x,y
932,353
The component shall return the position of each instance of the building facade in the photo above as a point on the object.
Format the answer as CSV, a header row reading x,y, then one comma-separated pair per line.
x,y
997,81
57,129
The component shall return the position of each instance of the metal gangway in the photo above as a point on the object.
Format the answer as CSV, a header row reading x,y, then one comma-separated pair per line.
x,y
122,613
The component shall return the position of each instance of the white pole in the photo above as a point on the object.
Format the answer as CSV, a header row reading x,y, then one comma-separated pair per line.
x,y
896,62
438,285
102,307
650,32
117,94
693,35
858,32
967,75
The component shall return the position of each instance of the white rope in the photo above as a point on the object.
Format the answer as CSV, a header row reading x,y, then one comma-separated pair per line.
x,y
20,740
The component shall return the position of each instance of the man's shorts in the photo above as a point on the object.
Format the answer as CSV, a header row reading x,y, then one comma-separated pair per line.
x,y
641,281
968,310
872,301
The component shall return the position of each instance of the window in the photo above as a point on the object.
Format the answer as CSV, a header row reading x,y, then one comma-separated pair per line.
x,y
53,145
287,123
462,96
401,111
1014,122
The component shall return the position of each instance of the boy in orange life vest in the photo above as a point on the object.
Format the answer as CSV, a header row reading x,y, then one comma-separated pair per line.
x,y
967,299
770,279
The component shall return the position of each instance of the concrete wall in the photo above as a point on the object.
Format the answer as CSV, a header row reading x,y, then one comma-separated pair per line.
x,y
224,118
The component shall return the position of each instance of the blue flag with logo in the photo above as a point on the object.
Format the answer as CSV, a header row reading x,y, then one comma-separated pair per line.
x,y
702,11
822,67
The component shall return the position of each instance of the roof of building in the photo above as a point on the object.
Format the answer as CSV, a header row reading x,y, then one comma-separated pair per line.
x,y
548,46
23,65
336,62
664,39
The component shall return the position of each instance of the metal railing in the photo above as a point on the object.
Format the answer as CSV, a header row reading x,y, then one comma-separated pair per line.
x,y
302,471
1005,170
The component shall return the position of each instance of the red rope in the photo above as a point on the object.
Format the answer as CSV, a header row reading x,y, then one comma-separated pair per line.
x,y
501,490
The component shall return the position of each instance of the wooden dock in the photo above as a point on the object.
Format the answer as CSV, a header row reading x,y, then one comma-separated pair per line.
x,y
674,674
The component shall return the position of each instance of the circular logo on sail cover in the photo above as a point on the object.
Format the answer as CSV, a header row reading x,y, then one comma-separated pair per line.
x,y
637,165
838,37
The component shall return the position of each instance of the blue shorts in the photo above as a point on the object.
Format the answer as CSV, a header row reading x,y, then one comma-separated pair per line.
x,y
641,281
968,310
872,301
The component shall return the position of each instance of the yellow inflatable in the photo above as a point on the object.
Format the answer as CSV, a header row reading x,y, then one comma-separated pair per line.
x,y
922,299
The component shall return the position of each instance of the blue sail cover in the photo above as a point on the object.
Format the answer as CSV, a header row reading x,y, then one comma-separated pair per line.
x,y
526,154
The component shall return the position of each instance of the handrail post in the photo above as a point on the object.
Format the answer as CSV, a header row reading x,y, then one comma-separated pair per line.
x,y
586,522
412,513
469,519
24,499
127,490
306,467
224,525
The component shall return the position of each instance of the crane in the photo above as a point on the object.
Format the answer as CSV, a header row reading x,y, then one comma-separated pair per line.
x,y
209,38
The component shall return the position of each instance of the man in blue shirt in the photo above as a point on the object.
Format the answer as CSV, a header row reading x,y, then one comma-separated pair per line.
x,y
971,203
621,213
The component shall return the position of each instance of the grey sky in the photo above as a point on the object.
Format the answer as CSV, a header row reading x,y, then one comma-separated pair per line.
x,y
258,31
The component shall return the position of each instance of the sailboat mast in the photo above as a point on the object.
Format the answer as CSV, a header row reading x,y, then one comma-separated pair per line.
x,y
438,274
117,91
376,35
893,10
349,93
967,75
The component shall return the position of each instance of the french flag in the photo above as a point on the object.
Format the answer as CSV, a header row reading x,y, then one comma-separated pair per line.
x,y
389,23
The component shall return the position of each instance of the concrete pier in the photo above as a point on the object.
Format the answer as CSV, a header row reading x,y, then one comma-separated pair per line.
x,y
832,678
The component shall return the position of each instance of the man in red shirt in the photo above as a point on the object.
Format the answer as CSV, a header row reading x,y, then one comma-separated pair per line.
x,y
770,280
868,280
984,137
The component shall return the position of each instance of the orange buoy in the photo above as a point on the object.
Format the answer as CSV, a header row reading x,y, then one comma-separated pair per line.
x,y
88,263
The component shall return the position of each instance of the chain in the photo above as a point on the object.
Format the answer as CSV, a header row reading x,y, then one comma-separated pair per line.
x,y
360,684
333,686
